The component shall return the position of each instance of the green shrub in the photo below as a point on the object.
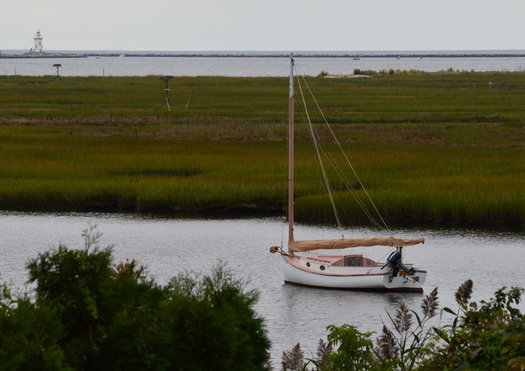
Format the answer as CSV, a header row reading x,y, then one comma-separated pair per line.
x,y
358,71
87,313
489,335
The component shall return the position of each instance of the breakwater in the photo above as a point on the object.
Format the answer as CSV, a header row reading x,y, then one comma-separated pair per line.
x,y
487,54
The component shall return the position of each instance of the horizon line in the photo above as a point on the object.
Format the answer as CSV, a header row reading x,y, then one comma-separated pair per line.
x,y
276,51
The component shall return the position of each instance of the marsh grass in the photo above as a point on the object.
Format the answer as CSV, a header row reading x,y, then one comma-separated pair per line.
x,y
432,149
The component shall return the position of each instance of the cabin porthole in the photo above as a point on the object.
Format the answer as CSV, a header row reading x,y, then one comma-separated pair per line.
x,y
308,264
322,267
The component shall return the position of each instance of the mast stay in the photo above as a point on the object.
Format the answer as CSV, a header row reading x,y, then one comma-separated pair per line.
x,y
341,174
296,246
380,223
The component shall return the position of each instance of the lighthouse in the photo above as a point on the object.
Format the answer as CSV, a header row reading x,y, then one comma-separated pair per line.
x,y
37,47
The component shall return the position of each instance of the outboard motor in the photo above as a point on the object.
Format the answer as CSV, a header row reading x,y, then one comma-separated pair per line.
x,y
394,261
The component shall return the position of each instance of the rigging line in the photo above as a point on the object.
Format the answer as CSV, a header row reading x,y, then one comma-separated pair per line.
x,y
344,154
345,180
346,157
327,183
369,214
346,183
387,253
319,174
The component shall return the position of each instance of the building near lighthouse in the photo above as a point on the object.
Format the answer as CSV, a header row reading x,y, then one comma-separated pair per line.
x,y
37,44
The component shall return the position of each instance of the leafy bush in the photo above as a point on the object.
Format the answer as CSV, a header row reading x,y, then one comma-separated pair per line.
x,y
488,335
481,336
87,313
358,71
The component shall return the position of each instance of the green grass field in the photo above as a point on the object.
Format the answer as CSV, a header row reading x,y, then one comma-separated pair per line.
x,y
439,149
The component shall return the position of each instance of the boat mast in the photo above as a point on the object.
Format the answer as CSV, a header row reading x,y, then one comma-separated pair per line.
x,y
291,155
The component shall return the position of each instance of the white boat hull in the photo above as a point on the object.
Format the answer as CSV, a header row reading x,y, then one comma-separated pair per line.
x,y
370,278
352,272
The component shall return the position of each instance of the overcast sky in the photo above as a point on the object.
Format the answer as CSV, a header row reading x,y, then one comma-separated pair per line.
x,y
281,25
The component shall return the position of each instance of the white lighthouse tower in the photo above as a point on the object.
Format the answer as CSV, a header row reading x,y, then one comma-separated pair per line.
x,y
38,47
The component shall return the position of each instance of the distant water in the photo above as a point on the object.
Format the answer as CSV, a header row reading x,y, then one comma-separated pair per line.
x,y
261,63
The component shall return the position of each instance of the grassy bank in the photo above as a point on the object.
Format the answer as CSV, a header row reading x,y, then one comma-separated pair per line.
x,y
432,149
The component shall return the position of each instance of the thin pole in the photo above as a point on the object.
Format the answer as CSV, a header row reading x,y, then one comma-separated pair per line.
x,y
291,155
188,102
166,91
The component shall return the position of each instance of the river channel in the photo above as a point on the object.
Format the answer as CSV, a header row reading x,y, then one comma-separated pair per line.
x,y
292,314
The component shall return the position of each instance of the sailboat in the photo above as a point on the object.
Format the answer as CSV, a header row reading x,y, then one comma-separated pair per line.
x,y
345,271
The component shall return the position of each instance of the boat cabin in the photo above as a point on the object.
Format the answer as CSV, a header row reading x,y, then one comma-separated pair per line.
x,y
354,260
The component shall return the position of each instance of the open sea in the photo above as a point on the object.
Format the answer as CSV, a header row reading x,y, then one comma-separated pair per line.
x,y
234,63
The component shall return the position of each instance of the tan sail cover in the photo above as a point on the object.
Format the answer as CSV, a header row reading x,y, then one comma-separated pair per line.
x,y
296,246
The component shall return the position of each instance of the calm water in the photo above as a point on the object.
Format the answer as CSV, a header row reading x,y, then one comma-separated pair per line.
x,y
292,314
250,66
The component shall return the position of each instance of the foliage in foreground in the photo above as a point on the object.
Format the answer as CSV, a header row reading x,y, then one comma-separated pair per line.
x,y
86,313
489,335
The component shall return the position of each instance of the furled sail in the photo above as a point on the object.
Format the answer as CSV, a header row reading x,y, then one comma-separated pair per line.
x,y
296,246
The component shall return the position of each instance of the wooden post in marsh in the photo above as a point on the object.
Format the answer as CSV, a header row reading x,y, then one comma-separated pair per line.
x,y
167,90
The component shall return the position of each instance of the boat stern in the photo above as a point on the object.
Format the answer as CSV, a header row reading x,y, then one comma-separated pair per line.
x,y
403,282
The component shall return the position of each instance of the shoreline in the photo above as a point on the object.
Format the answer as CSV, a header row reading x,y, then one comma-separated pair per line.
x,y
246,215
262,55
